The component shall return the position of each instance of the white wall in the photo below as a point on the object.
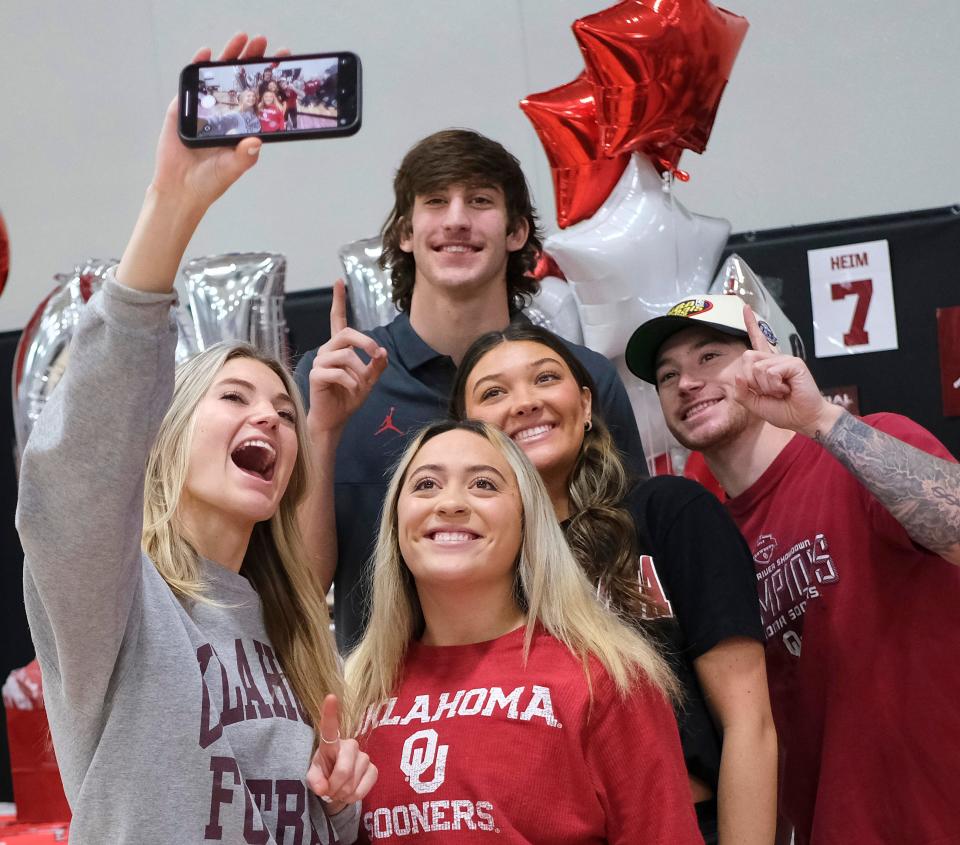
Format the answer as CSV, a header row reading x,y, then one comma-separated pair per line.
x,y
835,109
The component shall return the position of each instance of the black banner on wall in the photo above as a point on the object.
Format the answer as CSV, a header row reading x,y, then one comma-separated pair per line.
x,y
925,264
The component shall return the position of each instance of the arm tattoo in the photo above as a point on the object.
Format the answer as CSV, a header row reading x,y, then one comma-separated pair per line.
x,y
921,491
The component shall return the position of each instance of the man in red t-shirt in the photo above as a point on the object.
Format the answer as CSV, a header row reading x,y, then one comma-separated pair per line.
x,y
854,526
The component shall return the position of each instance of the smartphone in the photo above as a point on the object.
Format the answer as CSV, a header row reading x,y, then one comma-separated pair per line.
x,y
289,98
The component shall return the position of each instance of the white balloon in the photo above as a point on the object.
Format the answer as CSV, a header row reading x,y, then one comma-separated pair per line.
x,y
640,254
641,243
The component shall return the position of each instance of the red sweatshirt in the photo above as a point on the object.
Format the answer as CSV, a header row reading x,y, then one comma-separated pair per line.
x,y
477,747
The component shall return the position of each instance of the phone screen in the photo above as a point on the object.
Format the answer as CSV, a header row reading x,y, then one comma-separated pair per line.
x,y
292,96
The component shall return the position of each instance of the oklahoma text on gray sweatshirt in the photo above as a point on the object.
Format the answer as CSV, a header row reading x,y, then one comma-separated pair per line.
x,y
172,723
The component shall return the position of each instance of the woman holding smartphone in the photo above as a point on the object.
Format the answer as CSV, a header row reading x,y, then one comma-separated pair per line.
x,y
662,553
187,684
504,702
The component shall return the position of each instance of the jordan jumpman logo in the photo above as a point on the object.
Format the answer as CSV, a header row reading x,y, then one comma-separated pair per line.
x,y
387,424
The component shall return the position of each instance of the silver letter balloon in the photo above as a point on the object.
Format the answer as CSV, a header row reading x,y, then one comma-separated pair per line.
x,y
44,344
237,296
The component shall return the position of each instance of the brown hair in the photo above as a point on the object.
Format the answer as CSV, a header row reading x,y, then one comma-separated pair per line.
x,y
600,532
451,157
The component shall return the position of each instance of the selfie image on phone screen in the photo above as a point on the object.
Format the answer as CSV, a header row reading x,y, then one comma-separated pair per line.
x,y
293,95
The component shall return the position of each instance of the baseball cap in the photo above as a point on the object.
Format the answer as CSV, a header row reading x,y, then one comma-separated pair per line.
x,y
723,312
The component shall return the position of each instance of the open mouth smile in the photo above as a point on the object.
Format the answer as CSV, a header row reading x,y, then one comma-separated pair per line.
x,y
456,248
698,408
255,457
448,537
526,434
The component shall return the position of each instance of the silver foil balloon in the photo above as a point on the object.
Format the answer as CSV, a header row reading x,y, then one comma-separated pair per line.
x,y
44,346
237,296
368,285
736,277
555,308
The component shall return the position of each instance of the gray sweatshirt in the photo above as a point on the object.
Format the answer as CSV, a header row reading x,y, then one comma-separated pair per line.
x,y
172,722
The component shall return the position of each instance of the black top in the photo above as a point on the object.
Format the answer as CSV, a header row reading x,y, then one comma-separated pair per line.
x,y
705,571
414,390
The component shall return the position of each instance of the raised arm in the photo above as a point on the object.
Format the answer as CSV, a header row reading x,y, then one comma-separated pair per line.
x,y
186,182
81,484
920,490
339,382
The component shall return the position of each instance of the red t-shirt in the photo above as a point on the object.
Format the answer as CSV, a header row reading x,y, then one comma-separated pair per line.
x,y
868,710
478,748
271,119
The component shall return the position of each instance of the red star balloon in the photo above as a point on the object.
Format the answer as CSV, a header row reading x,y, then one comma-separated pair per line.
x,y
565,118
658,69
4,254
546,266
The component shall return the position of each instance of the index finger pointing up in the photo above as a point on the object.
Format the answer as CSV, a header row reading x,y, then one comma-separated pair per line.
x,y
330,730
338,308
758,340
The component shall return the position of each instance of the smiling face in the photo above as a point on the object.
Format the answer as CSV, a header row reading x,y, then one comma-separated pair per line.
x,y
459,240
695,375
526,390
248,99
459,514
244,445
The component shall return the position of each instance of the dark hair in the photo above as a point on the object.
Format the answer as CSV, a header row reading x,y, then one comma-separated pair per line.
x,y
451,157
515,332
600,532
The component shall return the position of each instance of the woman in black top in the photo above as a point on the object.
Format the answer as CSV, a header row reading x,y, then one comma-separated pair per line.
x,y
663,552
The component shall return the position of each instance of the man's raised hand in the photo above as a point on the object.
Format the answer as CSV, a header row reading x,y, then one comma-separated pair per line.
x,y
339,380
779,388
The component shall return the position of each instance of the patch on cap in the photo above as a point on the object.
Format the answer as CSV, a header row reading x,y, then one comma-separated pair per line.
x,y
768,333
690,307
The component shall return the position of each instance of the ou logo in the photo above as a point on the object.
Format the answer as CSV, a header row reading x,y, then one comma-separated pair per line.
x,y
417,759
792,642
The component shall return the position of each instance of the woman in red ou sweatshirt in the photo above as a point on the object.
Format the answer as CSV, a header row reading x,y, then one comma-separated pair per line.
x,y
270,113
501,701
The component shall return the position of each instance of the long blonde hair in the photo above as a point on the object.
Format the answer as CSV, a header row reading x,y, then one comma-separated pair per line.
x,y
294,610
550,586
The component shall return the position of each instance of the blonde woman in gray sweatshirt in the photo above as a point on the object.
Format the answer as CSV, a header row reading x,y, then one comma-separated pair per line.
x,y
190,680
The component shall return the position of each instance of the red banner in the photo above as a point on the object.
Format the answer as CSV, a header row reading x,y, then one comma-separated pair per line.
x,y
948,332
